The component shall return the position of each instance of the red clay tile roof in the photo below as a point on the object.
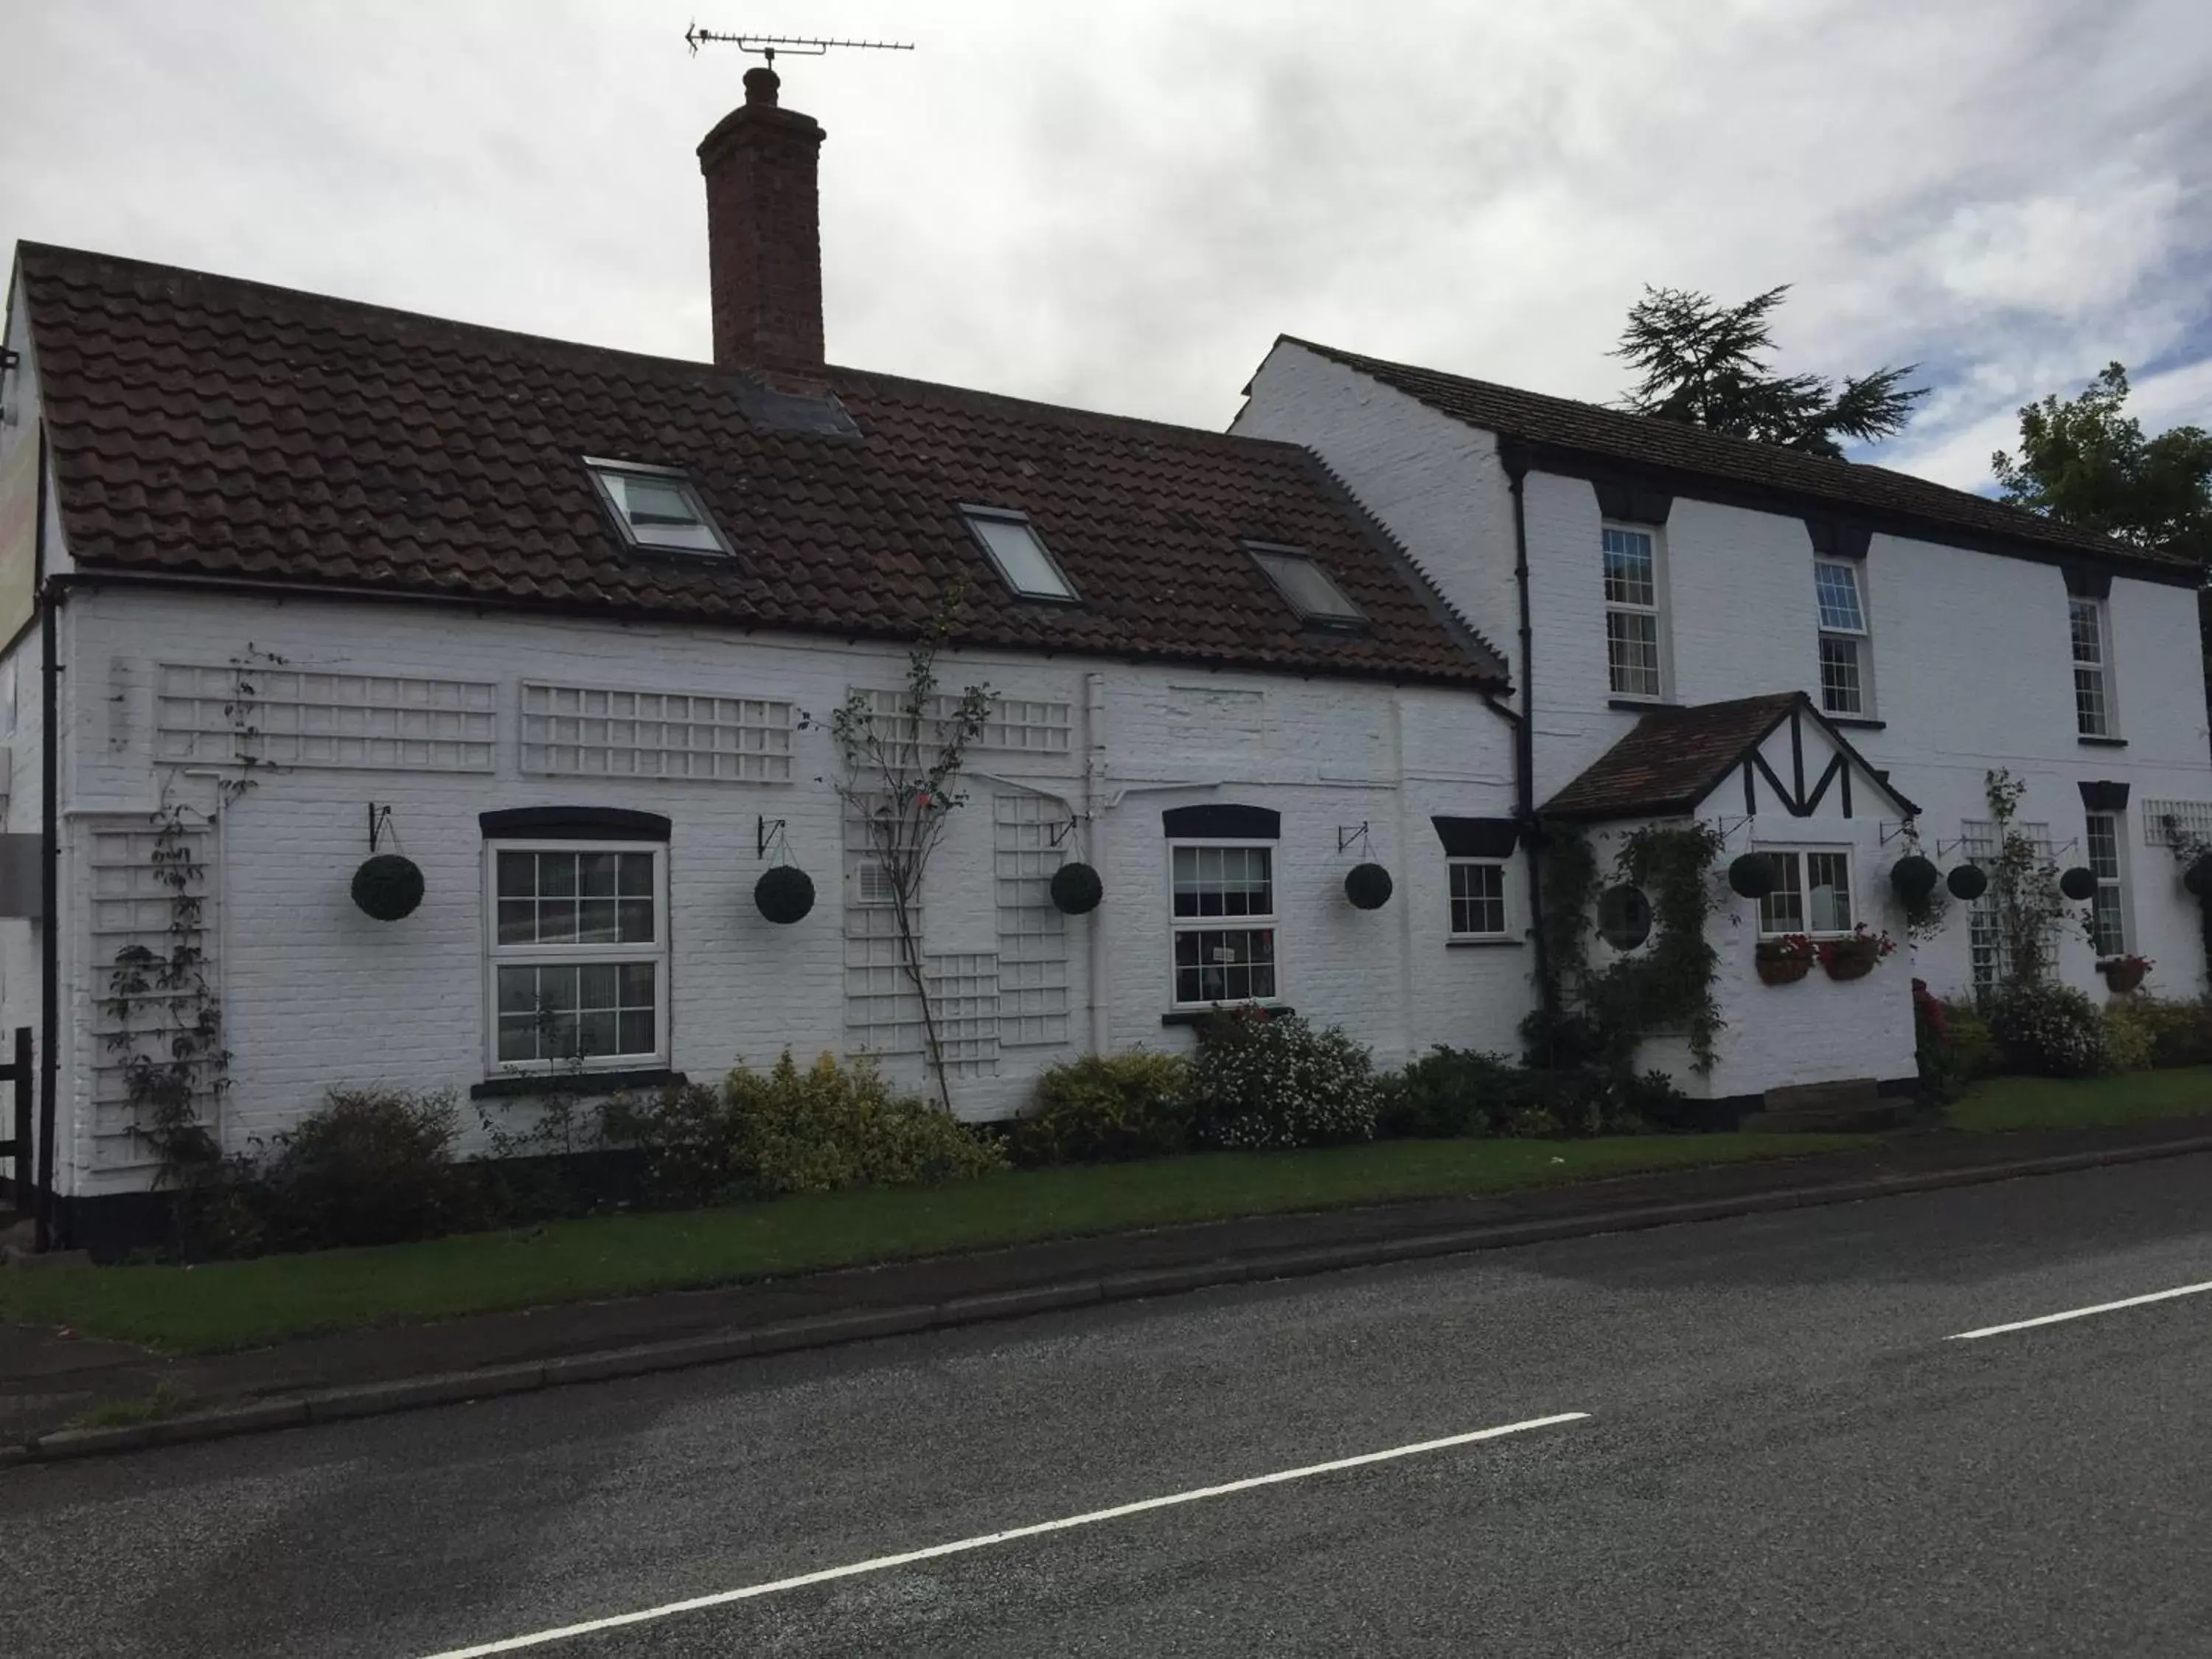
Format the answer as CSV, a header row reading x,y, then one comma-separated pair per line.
x,y
205,425
1675,757
1643,440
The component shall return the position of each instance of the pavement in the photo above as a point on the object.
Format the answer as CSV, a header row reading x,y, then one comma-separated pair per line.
x,y
48,1380
1777,1445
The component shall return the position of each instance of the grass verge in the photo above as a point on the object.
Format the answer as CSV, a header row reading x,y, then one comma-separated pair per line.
x,y
2042,1103
216,1306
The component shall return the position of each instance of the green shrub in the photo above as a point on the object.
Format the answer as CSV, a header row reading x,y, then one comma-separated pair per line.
x,y
1974,1049
1103,1108
2131,1039
1272,1081
367,1167
1458,1092
2048,1030
2180,1031
763,1133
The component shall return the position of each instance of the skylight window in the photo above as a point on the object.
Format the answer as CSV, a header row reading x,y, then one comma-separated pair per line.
x,y
1311,593
1018,553
656,507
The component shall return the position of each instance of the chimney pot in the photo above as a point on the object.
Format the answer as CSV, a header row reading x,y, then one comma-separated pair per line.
x,y
764,233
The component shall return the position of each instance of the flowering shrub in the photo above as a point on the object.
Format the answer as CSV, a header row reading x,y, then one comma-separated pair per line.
x,y
1105,1108
2051,1030
2180,1031
1259,1080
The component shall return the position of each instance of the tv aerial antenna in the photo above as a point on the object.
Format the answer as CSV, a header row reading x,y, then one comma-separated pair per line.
x,y
767,45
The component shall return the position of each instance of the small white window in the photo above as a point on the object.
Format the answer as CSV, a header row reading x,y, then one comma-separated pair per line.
x,y
1812,893
1018,553
2093,689
656,507
577,955
1846,677
1312,592
1223,917
2108,914
1635,629
1478,898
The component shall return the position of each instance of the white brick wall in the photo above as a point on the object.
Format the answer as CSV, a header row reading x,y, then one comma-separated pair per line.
x,y
1970,650
319,994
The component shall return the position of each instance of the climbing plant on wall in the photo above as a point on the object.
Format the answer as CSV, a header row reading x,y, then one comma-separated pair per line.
x,y
1668,984
2023,893
900,782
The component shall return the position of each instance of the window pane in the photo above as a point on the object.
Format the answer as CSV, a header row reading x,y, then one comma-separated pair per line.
x,y
1021,558
1841,692
636,1036
657,501
518,991
1783,910
2088,633
518,921
595,874
556,873
1478,898
636,875
595,921
557,921
1837,588
2104,846
1629,578
1308,586
635,984
636,924
1224,965
1829,903
518,874
2090,715
1632,646
662,512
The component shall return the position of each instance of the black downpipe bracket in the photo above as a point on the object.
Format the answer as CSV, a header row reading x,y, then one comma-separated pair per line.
x,y
1514,460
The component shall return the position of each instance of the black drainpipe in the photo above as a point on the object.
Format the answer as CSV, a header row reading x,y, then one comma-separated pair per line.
x,y
1514,460
49,870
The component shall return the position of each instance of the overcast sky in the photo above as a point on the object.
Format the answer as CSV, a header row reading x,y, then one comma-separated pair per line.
x,y
1121,205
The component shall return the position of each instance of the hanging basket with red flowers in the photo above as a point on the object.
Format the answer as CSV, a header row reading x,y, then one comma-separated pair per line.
x,y
2123,973
1784,961
1854,956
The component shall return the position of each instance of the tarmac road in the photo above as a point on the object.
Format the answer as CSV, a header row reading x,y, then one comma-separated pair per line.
x,y
1781,1448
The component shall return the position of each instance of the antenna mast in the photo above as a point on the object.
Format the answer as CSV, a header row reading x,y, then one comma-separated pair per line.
x,y
767,45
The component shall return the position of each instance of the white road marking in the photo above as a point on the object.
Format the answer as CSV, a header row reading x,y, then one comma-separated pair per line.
x,y
2080,1313
884,1563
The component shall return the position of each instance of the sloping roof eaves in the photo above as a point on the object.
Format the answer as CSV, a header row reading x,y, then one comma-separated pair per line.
x,y
1674,759
1669,450
207,427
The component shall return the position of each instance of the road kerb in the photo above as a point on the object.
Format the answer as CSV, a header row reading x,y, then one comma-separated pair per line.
x,y
869,1324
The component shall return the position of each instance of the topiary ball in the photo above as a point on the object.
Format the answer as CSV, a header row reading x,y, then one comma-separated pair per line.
x,y
784,894
387,886
1751,875
2079,882
1076,890
1967,882
1368,886
1913,879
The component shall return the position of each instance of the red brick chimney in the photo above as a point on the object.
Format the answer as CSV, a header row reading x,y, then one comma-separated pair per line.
x,y
764,233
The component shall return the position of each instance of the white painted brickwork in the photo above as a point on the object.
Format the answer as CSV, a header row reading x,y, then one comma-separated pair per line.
x,y
285,717
319,995
595,731
1971,669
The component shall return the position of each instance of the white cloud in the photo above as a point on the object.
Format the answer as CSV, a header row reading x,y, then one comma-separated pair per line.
x,y
1120,206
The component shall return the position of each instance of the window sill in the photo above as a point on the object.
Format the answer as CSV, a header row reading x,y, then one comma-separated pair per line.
x,y
2088,742
573,1082
1485,944
1640,705
1855,722
1200,1016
